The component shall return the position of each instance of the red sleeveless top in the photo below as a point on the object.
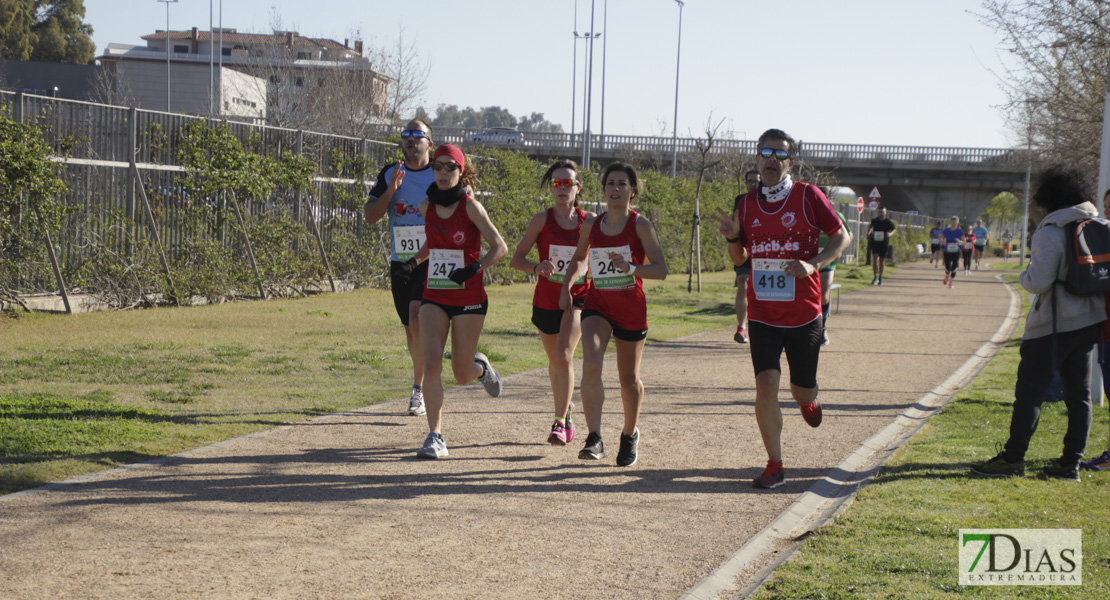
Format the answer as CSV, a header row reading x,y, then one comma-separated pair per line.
x,y
455,234
786,230
624,305
547,291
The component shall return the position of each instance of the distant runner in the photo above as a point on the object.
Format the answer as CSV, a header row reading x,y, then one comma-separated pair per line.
x,y
982,238
936,237
880,232
967,249
828,273
952,239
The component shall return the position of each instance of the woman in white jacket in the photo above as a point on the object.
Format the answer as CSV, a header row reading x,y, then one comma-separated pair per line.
x,y
1065,195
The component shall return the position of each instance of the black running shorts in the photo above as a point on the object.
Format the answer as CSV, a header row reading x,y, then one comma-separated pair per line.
x,y
802,346
627,335
406,288
454,311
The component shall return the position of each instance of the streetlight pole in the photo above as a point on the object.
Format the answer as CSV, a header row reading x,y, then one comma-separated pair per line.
x,y
678,64
168,48
211,59
589,92
574,72
604,54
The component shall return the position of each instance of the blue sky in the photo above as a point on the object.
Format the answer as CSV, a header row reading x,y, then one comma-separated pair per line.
x,y
855,71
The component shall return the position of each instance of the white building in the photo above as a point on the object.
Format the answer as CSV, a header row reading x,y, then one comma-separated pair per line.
x,y
286,65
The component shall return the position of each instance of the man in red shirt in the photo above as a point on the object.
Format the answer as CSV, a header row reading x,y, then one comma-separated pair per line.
x,y
778,226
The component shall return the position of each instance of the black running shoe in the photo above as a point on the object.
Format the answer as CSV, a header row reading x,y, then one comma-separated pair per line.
x,y
594,449
627,455
1058,470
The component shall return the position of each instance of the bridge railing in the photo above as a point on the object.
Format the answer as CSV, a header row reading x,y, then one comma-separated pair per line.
x,y
536,142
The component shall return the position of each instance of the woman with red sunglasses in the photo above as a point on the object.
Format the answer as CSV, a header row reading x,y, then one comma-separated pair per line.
x,y
454,301
554,234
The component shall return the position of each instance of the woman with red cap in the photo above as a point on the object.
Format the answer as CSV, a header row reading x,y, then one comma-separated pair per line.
x,y
554,234
455,300
619,243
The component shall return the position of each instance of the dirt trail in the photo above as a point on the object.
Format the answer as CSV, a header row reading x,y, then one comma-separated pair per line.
x,y
339,507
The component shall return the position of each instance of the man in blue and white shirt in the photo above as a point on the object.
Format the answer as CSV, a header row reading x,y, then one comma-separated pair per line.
x,y
397,193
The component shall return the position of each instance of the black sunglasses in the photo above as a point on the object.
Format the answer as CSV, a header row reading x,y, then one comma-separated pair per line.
x,y
417,133
438,166
779,154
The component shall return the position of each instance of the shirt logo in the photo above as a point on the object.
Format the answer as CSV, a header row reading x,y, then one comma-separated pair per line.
x,y
756,223
459,237
789,219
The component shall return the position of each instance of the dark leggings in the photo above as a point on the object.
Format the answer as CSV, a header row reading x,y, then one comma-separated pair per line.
x,y
951,263
967,259
1034,375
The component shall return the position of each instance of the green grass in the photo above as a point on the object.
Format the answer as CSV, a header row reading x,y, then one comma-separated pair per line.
x,y
899,538
87,392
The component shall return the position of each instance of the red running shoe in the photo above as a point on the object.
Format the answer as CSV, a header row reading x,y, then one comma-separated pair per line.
x,y
812,413
773,476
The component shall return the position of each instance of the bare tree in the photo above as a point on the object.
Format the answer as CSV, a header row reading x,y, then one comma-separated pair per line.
x,y
107,87
337,92
706,162
343,101
1057,88
407,73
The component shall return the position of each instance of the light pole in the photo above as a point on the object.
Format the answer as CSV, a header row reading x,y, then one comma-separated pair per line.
x,y
678,63
168,48
604,53
574,71
211,59
589,92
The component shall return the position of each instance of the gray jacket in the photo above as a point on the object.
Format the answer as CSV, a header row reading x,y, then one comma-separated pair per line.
x,y
1047,266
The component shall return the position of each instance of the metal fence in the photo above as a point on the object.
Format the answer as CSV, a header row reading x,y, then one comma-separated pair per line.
x,y
107,151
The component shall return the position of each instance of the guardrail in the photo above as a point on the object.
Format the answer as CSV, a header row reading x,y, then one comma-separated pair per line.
x,y
571,143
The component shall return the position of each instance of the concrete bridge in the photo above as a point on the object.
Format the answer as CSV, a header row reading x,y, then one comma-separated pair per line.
x,y
935,181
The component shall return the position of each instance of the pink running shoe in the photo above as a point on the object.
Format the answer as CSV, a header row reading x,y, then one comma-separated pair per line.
x,y
773,476
558,435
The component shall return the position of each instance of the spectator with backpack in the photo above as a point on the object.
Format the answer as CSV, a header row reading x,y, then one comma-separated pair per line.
x,y
1061,330
1102,461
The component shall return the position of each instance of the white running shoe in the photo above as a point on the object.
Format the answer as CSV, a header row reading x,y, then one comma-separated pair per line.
x,y
434,447
490,379
416,403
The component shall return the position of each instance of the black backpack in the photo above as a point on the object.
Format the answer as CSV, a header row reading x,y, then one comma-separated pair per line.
x,y
1087,256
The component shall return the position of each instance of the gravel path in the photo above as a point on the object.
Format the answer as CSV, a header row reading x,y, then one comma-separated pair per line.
x,y
339,507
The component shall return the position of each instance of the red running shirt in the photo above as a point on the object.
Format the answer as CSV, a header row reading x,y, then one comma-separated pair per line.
x,y
453,243
619,297
564,241
774,232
